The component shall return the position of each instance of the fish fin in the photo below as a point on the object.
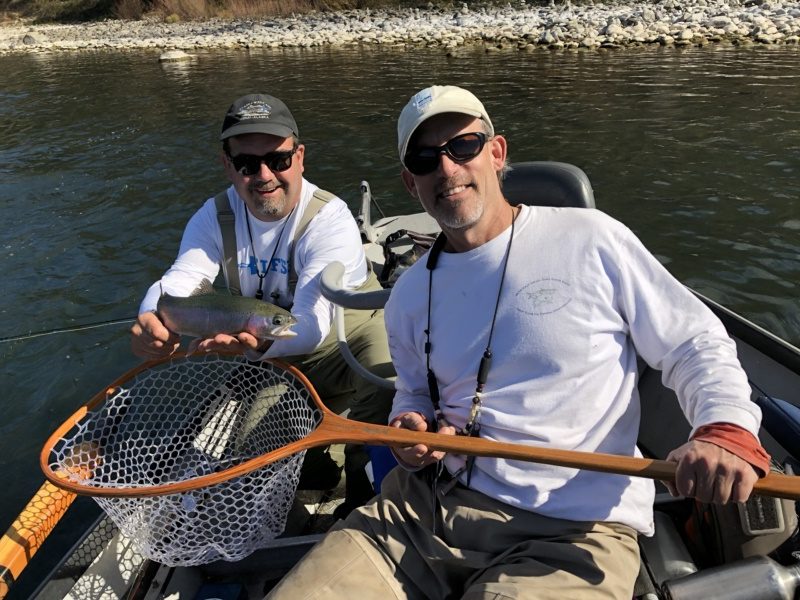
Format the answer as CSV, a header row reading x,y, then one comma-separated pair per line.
x,y
204,288
191,350
162,293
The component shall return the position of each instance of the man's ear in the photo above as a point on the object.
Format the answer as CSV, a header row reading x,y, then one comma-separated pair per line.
x,y
227,165
408,181
499,149
300,155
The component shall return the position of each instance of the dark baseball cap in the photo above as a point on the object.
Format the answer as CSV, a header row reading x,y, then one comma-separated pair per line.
x,y
259,113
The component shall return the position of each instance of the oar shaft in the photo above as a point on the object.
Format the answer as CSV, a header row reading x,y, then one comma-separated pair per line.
x,y
29,530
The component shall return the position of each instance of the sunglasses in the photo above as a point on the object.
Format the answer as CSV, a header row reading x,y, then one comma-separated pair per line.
x,y
461,149
250,164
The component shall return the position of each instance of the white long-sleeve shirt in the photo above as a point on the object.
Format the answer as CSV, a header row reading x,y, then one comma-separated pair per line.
x,y
581,296
332,235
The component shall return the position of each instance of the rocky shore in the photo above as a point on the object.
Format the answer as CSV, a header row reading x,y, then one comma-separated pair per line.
x,y
561,25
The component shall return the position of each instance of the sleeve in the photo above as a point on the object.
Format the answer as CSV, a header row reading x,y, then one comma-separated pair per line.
x,y
737,441
411,385
199,257
332,235
675,332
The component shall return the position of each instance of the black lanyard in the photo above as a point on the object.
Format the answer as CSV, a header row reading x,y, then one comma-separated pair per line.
x,y
261,276
472,427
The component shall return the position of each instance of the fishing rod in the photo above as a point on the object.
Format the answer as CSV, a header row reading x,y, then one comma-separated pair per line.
x,y
28,336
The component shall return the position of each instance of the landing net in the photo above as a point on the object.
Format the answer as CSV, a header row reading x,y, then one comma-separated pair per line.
x,y
181,421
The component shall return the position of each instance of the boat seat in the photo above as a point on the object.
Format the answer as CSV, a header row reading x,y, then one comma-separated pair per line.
x,y
548,183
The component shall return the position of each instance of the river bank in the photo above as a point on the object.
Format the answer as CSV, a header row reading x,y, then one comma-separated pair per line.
x,y
558,26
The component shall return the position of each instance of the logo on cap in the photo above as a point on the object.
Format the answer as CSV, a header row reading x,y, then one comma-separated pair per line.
x,y
254,111
422,100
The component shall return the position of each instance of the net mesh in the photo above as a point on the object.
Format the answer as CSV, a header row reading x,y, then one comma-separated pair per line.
x,y
187,418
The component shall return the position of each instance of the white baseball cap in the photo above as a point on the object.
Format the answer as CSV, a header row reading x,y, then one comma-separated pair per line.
x,y
436,100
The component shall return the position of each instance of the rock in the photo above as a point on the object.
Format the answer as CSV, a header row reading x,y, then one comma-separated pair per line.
x,y
720,21
174,56
33,38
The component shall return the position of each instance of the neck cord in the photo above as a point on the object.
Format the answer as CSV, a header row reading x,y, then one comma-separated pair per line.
x,y
262,276
472,427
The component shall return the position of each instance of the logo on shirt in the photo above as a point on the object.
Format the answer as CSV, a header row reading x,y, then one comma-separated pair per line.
x,y
543,297
276,265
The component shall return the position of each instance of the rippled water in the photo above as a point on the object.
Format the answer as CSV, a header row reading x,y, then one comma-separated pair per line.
x,y
103,157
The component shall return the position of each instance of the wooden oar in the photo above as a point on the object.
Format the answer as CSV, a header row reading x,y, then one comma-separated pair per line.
x,y
333,429
29,531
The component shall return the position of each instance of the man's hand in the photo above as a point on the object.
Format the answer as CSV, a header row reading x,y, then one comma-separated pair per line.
x,y
239,343
150,339
710,474
420,455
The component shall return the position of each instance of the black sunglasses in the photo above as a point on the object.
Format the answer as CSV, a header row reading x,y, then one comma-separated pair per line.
x,y
461,149
250,164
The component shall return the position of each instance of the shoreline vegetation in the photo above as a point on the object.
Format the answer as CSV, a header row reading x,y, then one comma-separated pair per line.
x,y
524,26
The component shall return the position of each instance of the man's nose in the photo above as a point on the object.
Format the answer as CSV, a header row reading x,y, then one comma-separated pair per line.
x,y
264,171
447,166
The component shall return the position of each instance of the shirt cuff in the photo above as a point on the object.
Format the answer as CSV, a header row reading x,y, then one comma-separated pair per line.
x,y
737,441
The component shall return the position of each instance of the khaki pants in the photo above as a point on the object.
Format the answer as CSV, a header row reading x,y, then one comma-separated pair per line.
x,y
482,549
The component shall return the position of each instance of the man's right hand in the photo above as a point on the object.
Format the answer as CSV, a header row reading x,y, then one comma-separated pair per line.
x,y
416,457
150,339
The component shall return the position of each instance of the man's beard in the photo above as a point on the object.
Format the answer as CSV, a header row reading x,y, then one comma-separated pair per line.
x,y
269,207
452,216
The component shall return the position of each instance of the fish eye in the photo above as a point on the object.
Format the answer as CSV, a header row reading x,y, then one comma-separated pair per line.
x,y
277,320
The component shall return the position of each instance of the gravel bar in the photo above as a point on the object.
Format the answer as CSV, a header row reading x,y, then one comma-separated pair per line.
x,y
524,27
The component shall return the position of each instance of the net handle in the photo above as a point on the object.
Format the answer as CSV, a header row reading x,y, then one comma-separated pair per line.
x,y
334,429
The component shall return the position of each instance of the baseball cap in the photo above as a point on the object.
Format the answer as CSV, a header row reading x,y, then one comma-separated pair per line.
x,y
436,100
258,113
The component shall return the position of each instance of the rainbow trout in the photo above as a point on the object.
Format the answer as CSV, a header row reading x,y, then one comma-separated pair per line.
x,y
206,313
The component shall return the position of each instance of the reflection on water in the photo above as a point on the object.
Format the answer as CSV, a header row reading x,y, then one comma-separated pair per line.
x,y
103,157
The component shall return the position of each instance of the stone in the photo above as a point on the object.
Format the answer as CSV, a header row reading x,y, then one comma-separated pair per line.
x,y
33,38
174,56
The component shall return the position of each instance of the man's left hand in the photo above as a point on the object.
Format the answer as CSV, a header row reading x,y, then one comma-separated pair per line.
x,y
240,343
710,474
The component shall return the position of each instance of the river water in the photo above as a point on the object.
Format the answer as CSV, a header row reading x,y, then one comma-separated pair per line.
x,y
103,157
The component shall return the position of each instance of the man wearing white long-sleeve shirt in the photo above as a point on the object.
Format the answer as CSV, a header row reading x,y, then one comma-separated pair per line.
x,y
273,232
522,325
